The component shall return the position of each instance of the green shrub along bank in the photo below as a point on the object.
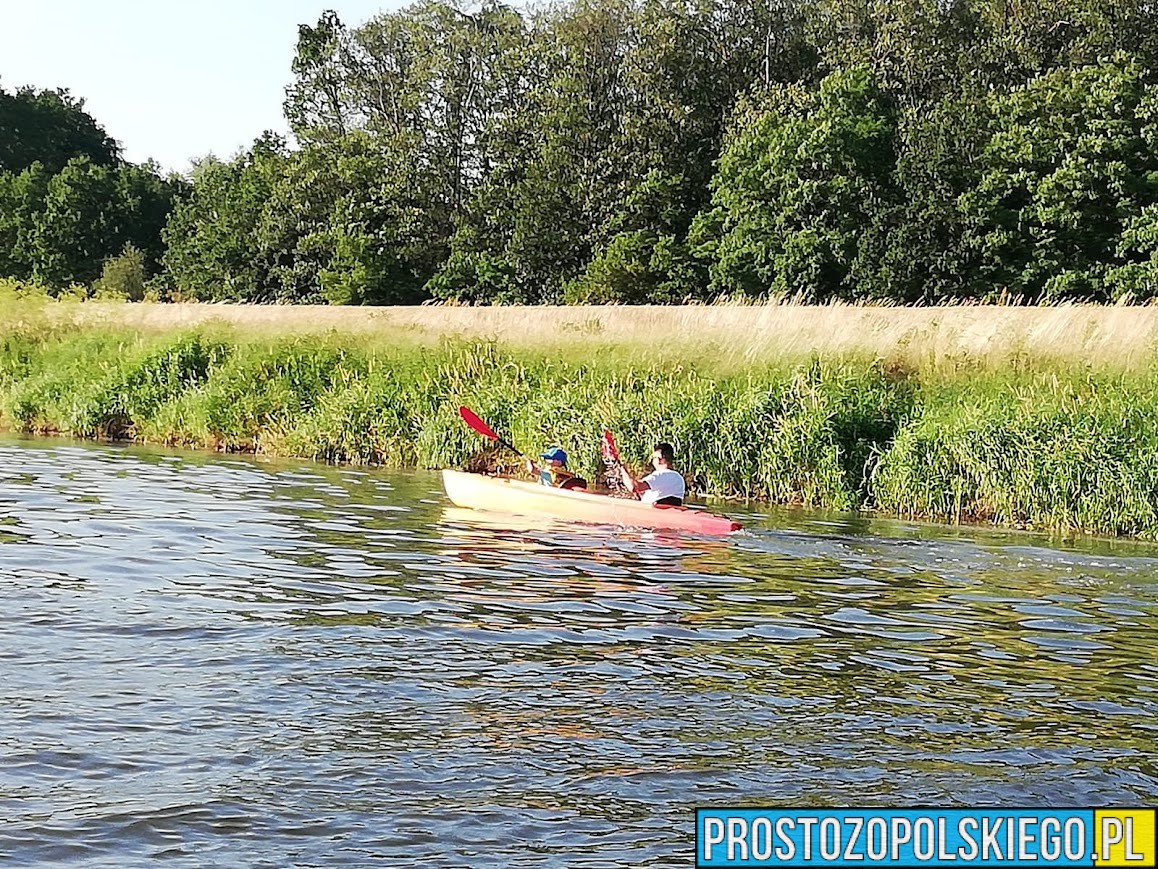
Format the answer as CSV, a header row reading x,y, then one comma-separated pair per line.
x,y
1062,449
1076,452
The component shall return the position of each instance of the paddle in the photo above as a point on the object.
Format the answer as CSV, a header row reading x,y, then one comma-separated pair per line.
x,y
472,419
611,459
610,450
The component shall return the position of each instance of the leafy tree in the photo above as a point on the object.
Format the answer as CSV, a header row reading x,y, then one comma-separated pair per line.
x,y
59,229
1018,40
1137,278
685,66
50,128
914,250
21,200
1070,165
145,200
78,226
317,103
555,176
406,105
212,246
642,151
802,177
640,267
69,224
123,276
387,236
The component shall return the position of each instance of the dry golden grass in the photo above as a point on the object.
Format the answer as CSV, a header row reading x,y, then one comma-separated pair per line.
x,y
727,334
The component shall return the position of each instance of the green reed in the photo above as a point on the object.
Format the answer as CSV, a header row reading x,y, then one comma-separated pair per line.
x,y
1064,449
1073,450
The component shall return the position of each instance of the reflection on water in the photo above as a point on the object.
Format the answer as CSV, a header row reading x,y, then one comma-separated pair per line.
x,y
220,661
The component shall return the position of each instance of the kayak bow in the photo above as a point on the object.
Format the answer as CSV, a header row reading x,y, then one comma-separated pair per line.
x,y
505,495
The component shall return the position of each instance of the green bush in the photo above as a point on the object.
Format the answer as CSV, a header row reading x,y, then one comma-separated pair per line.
x,y
123,277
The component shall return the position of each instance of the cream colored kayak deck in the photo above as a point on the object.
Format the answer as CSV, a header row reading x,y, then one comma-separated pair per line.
x,y
504,495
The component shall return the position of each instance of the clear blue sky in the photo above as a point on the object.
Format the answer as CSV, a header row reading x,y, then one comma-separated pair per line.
x,y
170,80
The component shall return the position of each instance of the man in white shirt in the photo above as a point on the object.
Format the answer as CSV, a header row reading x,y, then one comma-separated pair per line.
x,y
664,487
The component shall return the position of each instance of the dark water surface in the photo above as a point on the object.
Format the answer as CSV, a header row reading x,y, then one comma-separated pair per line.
x,y
218,661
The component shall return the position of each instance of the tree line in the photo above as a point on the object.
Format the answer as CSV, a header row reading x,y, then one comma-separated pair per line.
x,y
69,203
641,151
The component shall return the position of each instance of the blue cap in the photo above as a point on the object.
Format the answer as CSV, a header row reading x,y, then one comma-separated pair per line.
x,y
554,454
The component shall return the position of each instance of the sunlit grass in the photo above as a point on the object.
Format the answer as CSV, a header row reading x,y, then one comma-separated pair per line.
x,y
728,337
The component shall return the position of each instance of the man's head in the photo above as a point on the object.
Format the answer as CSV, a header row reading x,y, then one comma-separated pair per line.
x,y
555,456
662,455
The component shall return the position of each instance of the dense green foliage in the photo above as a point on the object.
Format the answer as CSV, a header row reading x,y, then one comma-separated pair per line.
x,y
655,151
1076,451
643,151
49,128
68,202
1064,449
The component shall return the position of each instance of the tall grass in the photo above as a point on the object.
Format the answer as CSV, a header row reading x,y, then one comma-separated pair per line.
x,y
1036,443
729,336
1077,452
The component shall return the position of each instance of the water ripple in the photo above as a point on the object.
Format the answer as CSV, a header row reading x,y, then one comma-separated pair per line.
x,y
223,661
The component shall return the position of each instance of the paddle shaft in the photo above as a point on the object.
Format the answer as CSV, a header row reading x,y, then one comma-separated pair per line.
x,y
473,420
510,446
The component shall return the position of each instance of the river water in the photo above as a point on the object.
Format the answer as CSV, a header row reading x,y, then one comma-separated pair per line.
x,y
219,661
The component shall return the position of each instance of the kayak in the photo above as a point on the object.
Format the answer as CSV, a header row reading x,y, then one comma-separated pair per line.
x,y
504,495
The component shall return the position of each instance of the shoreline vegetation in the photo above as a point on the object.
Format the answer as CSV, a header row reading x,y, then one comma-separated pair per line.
x,y
1031,417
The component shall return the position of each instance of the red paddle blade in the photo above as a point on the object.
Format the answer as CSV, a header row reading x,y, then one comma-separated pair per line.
x,y
471,418
610,450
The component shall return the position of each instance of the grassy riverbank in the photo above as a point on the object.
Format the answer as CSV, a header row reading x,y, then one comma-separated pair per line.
x,y
1011,435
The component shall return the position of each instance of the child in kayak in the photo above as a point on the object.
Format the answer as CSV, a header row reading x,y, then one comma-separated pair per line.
x,y
665,486
555,472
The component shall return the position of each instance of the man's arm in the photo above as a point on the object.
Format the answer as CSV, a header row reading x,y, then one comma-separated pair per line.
x,y
636,486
